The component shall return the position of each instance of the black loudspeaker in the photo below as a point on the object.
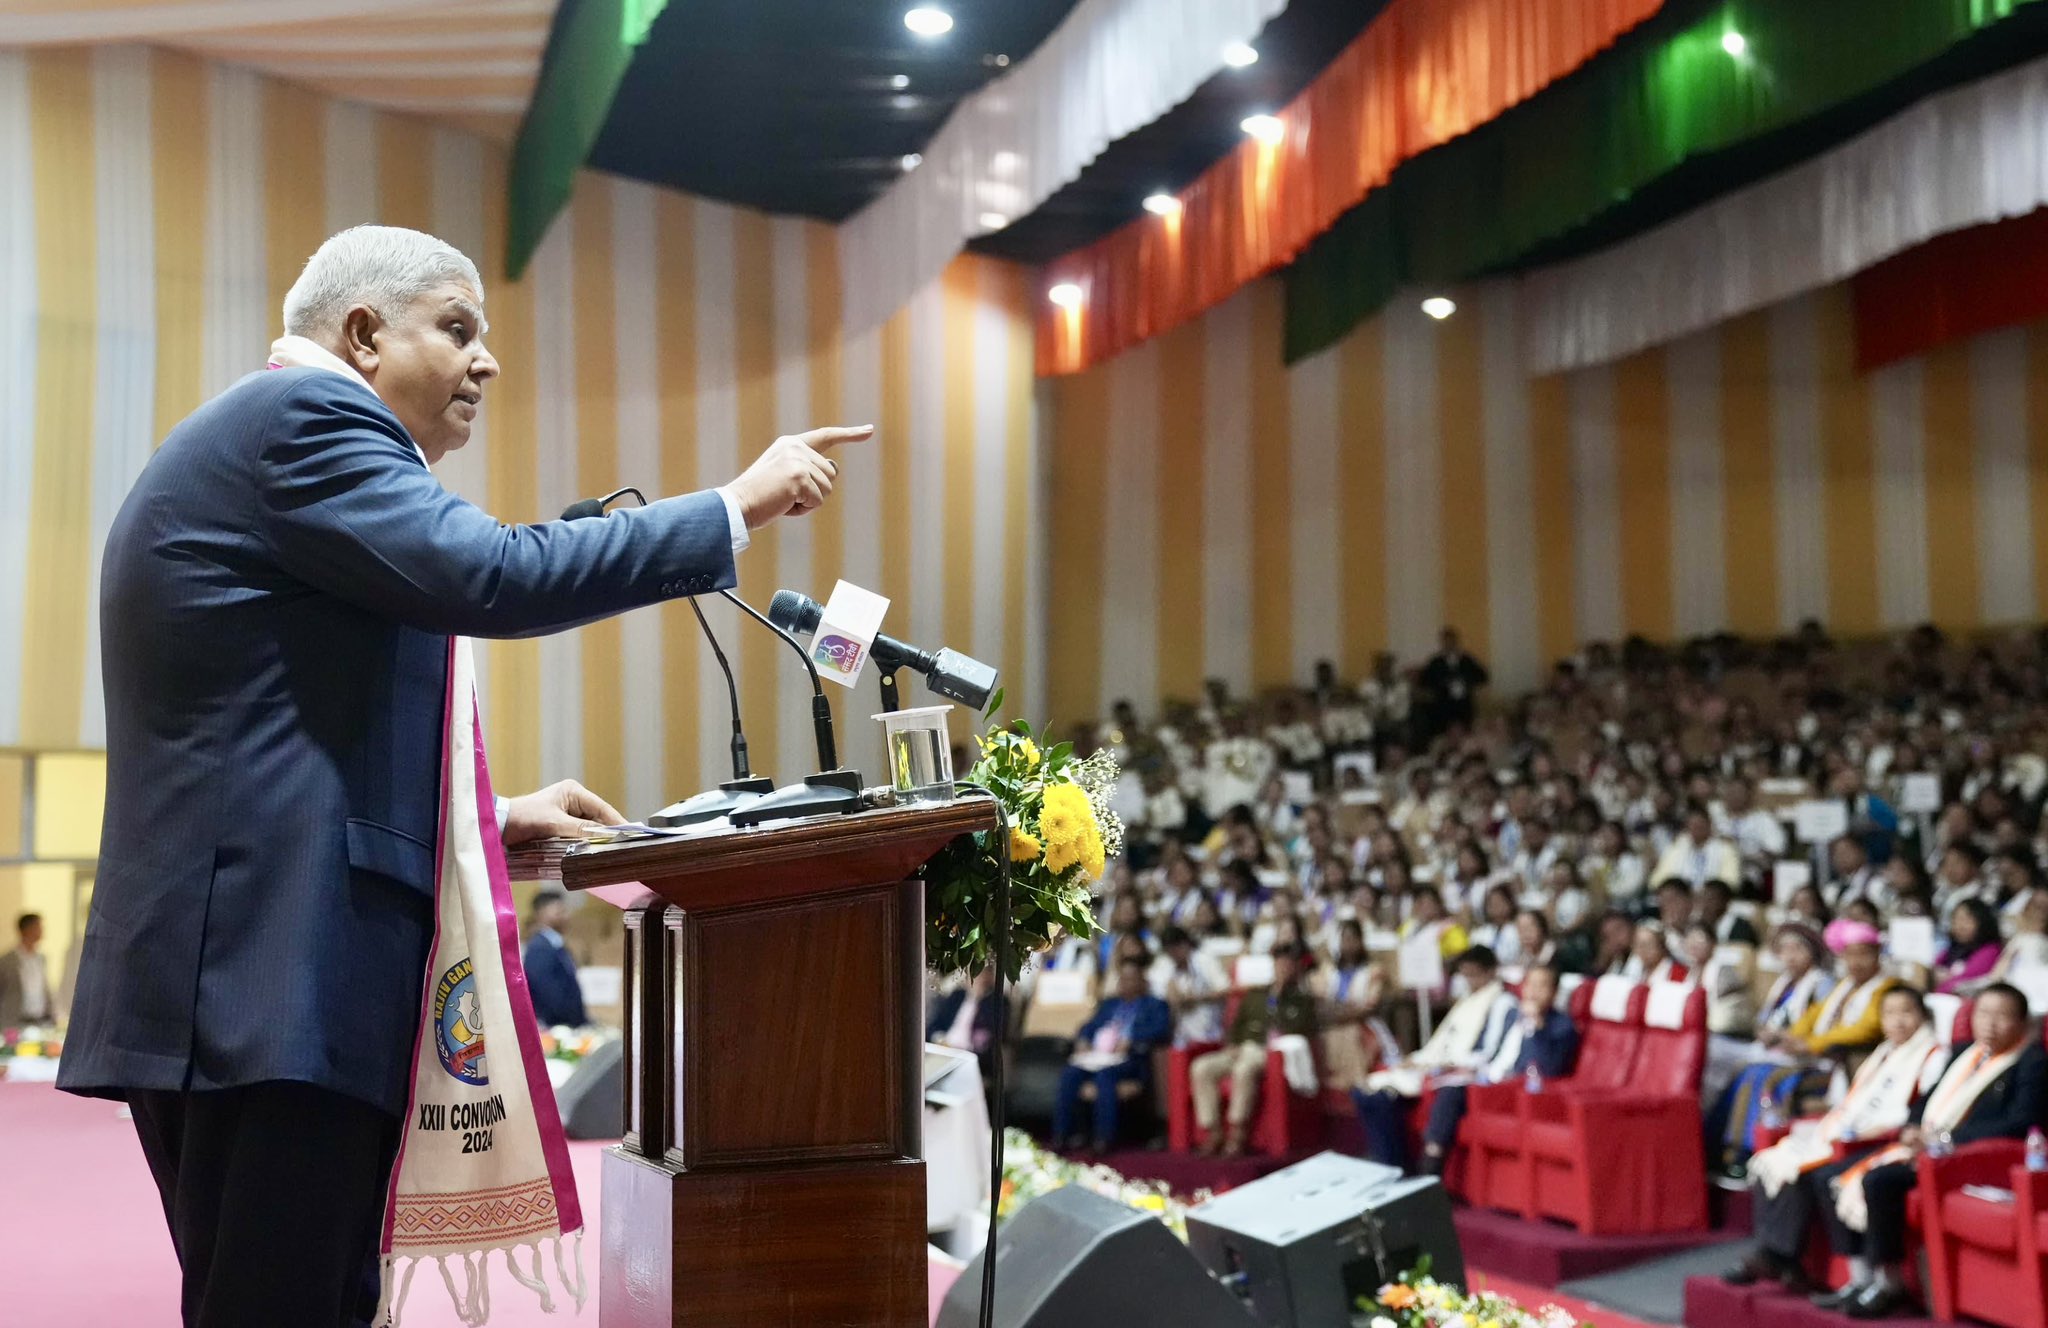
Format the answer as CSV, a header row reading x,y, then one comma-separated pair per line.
x,y
1303,1244
593,1101
1073,1259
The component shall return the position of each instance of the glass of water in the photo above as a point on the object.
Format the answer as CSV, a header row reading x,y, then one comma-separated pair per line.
x,y
920,753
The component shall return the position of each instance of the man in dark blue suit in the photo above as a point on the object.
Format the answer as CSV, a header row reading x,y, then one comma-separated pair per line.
x,y
1542,1038
278,594
1115,1046
550,970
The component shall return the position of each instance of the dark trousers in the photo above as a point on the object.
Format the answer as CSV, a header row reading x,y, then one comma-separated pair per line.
x,y
1883,1240
1385,1118
1446,1112
275,1198
1107,1108
1782,1221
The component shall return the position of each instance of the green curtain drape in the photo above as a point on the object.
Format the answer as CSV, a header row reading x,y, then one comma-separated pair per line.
x,y
1590,143
588,51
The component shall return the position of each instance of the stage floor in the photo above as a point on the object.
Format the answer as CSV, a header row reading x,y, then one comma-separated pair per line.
x,y
85,1238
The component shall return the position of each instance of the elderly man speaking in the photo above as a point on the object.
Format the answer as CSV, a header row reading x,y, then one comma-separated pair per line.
x,y
278,597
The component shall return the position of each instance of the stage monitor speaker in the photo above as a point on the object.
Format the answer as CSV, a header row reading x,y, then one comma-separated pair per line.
x,y
1303,1244
1073,1259
593,1101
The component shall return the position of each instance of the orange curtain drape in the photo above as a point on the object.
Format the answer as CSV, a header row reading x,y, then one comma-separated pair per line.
x,y
1423,72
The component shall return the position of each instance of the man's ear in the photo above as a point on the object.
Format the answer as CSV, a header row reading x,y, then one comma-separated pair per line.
x,y
359,329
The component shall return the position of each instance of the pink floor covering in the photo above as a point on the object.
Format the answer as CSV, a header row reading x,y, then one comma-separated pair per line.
x,y
85,1239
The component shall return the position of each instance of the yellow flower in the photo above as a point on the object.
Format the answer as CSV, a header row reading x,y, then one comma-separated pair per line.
x,y
1066,818
1061,855
1092,861
1030,749
1023,847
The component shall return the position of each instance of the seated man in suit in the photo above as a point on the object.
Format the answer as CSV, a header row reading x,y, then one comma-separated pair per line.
x,y
1543,1038
1994,1088
278,598
1286,1009
966,1019
1471,1035
550,968
1113,1047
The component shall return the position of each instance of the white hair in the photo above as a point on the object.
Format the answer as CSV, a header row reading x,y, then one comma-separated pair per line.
x,y
384,267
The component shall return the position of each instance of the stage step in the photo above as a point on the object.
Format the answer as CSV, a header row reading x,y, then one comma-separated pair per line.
x,y
1712,1303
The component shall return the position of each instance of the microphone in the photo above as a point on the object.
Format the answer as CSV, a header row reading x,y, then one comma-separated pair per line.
x,y
744,786
833,788
947,672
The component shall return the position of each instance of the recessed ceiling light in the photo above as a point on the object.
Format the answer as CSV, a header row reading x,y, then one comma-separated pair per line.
x,y
1439,307
993,221
1239,54
1734,43
1066,295
928,21
912,160
1162,204
1268,129
899,81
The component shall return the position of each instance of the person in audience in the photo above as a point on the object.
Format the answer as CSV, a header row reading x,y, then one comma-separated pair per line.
x,y
1208,921
1614,946
1674,910
1699,855
1450,684
1193,985
2026,954
1126,919
1785,1179
1533,941
1809,908
1496,928
1995,1087
969,1018
1114,1047
1349,993
1469,1036
1973,948
1426,913
1803,978
25,978
1650,958
1844,1024
1731,1011
1729,928
1853,877
1571,902
1286,1009
1758,836
550,968
1542,1038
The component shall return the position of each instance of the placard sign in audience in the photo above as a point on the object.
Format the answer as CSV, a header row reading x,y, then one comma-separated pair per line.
x,y
1786,878
1255,970
1920,793
1421,962
1911,941
1819,820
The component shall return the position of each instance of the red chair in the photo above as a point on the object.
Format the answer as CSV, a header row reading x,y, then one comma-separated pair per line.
x,y
1287,1122
1499,1168
1983,1255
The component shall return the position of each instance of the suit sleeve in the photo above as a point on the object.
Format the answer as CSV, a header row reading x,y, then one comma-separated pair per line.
x,y
1154,1025
345,506
2014,1112
1557,1046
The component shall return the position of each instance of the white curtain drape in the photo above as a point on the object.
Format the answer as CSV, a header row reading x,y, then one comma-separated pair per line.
x,y
41,22
1112,66
1963,158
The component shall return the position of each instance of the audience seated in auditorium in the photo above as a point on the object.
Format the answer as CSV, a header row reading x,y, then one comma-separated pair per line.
x,y
1471,1035
1115,1046
967,1020
1541,1038
1790,1178
550,968
1264,1015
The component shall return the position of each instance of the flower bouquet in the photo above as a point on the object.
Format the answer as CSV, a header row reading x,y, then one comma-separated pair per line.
x,y
1061,833
1418,1300
1030,1172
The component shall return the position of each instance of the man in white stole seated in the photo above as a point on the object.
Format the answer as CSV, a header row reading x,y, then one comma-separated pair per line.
x,y
1470,1036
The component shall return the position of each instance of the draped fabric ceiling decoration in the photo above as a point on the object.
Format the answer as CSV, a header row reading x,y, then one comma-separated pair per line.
x,y
1629,130
469,63
1422,73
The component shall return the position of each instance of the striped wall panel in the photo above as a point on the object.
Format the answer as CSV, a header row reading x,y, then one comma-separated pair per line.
x,y
1216,515
153,210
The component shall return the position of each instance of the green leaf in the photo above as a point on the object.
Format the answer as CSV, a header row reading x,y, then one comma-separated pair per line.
x,y
995,703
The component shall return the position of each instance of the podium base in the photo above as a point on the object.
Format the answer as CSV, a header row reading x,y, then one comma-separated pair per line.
x,y
776,1246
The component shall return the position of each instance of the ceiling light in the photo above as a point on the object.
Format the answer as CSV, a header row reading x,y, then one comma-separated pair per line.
x,y
904,101
1268,129
928,21
1162,204
1734,43
912,160
993,221
899,81
1066,295
1239,54
1439,307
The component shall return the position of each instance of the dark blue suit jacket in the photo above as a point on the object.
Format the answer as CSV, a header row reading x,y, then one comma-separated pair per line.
x,y
551,981
1551,1048
1151,1024
277,597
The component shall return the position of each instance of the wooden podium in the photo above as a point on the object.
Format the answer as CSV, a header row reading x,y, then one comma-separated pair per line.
x,y
770,1173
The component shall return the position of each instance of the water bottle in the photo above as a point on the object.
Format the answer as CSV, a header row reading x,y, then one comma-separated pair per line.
x,y
1940,1144
1774,1112
2037,1150
1532,1081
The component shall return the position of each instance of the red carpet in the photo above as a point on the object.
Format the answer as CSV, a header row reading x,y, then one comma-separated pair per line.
x,y
85,1239
1535,1298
